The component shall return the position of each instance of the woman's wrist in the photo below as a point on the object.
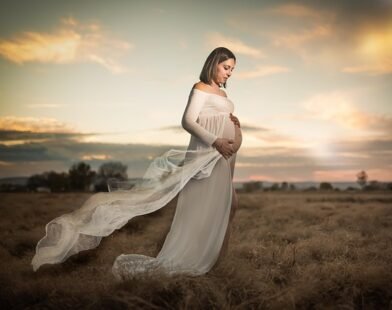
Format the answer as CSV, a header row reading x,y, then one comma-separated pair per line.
x,y
216,142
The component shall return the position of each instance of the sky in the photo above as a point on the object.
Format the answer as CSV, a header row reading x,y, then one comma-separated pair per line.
x,y
99,81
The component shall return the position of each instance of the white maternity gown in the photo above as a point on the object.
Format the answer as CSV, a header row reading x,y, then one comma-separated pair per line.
x,y
201,176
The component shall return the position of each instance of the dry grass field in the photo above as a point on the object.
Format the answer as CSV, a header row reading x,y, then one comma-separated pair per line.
x,y
287,251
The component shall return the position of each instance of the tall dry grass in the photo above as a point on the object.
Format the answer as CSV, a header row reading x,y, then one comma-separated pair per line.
x,y
287,251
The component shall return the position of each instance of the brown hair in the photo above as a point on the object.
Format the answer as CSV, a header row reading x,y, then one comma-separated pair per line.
x,y
218,55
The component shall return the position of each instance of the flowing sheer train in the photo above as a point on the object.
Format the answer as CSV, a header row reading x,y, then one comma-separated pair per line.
x,y
201,177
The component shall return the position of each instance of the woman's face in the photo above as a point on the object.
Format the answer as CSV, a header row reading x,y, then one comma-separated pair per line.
x,y
224,71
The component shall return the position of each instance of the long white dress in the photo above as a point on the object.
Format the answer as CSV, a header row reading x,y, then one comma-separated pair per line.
x,y
201,176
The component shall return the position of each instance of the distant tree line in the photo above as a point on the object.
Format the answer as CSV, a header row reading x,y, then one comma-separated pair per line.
x,y
362,180
80,177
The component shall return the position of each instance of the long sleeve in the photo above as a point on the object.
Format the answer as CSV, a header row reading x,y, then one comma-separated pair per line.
x,y
195,104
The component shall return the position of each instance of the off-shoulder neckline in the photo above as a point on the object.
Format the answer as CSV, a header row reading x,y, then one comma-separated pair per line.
x,y
202,91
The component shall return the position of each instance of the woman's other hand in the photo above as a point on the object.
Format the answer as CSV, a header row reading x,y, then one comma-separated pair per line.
x,y
235,120
224,146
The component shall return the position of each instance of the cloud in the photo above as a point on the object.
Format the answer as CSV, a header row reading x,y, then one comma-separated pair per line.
x,y
261,71
274,163
325,119
305,26
372,69
382,147
15,135
44,105
339,108
171,128
252,128
28,152
296,40
51,48
22,130
255,136
295,163
63,153
244,127
359,36
96,157
72,42
33,124
298,11
353,37
215,39
287,25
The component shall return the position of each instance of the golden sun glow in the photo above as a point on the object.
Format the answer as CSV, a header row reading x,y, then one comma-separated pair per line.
x,y
374,52
377,44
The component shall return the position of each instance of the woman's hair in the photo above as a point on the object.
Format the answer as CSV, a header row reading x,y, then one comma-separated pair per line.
x,y
216,57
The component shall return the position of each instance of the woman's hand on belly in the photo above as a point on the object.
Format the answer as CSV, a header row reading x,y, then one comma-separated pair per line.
x,y
224,146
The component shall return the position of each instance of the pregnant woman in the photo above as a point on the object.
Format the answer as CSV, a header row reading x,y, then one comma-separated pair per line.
x,y
201,176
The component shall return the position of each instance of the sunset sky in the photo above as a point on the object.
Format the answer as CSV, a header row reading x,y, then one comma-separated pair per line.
x,y
97,81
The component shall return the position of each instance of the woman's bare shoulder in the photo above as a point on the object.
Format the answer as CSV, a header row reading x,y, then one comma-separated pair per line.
x,y
207,89
200,86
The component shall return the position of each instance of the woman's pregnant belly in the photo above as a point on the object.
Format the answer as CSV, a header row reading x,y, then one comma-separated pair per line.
x,y
228,128
218,124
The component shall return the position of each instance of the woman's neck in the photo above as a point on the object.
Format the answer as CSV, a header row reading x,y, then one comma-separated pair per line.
x,y
214,85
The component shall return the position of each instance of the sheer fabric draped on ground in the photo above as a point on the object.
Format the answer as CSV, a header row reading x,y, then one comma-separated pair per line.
x,y
201,177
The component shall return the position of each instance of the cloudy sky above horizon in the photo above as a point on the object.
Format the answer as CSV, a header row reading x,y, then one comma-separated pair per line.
x,y
96,81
